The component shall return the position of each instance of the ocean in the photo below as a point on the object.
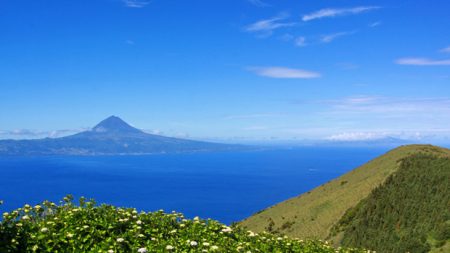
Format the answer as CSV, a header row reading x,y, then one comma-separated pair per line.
x,y
227,186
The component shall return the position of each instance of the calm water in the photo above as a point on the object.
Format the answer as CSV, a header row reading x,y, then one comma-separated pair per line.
x,y
223,186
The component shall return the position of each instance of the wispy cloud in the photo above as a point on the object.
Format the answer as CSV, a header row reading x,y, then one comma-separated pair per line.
x,y
347,65
357,136
330,37
135,3
300,41
422,62
375,24
258,3
253,116
445,50
255,128
283,72
416,135
269,25
385,105
36,134
330,12
392,115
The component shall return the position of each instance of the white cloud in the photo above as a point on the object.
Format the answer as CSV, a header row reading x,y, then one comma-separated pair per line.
x,y
282,72
129,42
154,131
300,41
445,50
330,37
269,25
135,3
330,12
357,136
422,62
374,24
258,3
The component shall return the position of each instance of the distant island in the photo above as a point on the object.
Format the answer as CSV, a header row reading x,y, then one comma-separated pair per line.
x,y
112,136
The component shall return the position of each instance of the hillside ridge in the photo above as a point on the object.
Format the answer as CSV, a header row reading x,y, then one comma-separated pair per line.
x,y
313,214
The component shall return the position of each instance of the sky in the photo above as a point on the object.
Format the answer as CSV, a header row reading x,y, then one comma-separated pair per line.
x,y
227,70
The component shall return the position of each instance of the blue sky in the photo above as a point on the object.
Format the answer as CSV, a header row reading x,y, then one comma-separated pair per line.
x,y
227,70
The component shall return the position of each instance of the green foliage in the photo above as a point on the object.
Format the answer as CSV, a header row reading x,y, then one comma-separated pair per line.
x,y
410,212
88,227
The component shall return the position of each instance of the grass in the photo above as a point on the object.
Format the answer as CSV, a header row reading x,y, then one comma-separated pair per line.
x,y
314,213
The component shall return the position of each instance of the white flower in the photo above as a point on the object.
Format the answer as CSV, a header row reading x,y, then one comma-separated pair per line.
x,y
25,217
110,251
193,243
120,240
205,244
139,222
214,247
142,250
44,230
227,230
169,247
70,235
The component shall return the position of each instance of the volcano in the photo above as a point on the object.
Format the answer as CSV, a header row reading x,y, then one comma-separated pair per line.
x,y
112,136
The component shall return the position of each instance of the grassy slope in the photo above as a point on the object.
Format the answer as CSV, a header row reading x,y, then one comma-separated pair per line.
x,y
408,213
311,215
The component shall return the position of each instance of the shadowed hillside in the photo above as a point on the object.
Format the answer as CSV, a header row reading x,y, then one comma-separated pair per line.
x,y
409,212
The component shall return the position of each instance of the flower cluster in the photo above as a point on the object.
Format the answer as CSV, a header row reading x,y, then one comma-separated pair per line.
x,y
88,227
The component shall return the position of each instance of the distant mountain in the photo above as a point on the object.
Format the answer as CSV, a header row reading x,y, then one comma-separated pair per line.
x,y
397,202
112,136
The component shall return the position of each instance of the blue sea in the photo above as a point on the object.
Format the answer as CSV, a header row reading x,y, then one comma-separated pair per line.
x,y
224,186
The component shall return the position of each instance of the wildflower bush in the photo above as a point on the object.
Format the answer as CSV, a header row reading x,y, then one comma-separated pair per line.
x,y
88,227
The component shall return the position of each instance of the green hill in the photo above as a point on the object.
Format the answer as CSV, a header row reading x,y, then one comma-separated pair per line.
x,y
409,212
315,213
